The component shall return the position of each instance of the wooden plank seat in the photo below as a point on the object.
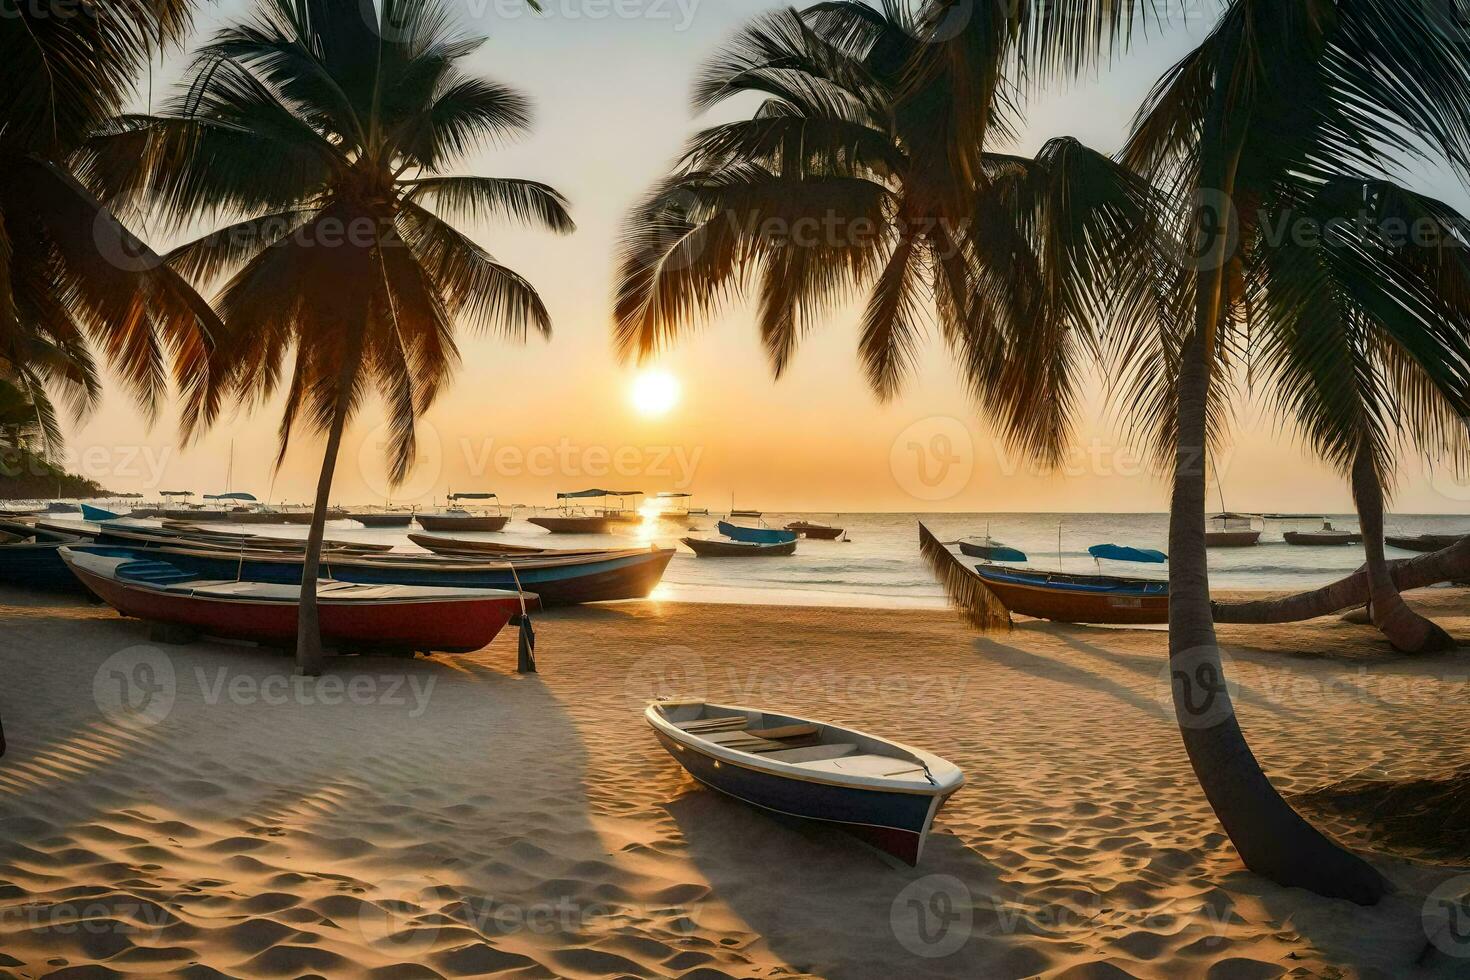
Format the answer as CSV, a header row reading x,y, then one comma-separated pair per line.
x,y
701,725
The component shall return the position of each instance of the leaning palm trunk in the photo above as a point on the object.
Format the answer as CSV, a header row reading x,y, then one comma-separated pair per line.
x,y
308,624
1408,631
1272,838
1451,564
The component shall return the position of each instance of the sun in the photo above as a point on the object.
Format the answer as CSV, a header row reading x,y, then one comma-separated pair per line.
x,y
655,393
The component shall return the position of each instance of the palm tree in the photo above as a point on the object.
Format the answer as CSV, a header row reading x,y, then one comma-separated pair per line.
x,y
71,276
328,137
1367,338
836,185
1282,97
20,419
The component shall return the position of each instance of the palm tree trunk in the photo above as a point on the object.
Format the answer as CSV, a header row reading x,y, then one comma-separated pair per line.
x,y
1273,840
308,623
1452,564
1408,631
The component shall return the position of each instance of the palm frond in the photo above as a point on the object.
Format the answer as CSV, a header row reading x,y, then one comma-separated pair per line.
x,y
967,592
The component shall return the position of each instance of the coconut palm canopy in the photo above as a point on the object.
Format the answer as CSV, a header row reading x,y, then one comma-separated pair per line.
x,y
843,182
72,279
328,141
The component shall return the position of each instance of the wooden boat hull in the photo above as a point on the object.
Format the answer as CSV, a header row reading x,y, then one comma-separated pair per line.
x,y
816,532
575,525
1231,539
462,548
487,523
1423,543
443,625
1323,538
1092,599
382,520
746,513
894,820
37,565
573,580
262,517
149,537
755,535
706,548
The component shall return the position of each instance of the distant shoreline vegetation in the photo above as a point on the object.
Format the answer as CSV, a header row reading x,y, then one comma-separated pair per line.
x,y
27,476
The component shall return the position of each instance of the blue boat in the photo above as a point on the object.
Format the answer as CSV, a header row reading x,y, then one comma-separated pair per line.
x,y
992,551
1118,552
575,579
97,514
756,535
33,561
880,791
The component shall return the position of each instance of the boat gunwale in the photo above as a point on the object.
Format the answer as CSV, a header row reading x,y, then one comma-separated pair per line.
x,y
944,777
175,590
1012,577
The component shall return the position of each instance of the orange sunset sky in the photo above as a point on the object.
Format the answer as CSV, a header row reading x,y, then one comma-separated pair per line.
x,y
612,97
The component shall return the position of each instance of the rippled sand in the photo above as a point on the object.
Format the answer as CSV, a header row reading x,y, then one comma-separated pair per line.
x,y
449,818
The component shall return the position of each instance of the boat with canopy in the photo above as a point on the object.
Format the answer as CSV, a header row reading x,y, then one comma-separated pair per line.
x,y
573,518
1328,536
1227,530
458,518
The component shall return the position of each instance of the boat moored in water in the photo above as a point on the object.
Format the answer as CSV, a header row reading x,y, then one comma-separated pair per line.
x,y
382,518
710,548
880,791
571,519
816,532
465,547
359,617
457,518
1423,543
991,551
1229,530
756,535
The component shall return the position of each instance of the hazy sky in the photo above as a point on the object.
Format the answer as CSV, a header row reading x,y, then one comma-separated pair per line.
x,y
611,80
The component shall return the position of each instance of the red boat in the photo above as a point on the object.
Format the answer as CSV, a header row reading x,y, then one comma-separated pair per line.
x,y
384,617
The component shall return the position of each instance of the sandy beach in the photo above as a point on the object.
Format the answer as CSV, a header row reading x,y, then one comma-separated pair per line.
x,y
195,811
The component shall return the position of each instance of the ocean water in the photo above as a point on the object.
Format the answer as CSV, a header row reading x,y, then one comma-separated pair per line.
x,y
880,566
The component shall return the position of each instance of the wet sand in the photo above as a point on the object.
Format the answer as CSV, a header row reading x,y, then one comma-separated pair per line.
x,y
195,811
